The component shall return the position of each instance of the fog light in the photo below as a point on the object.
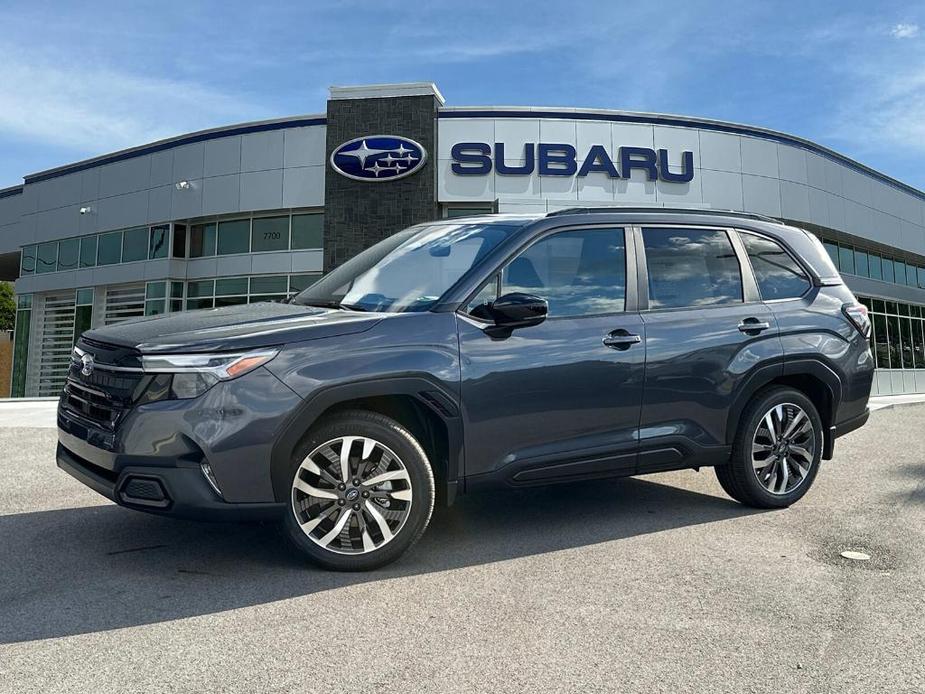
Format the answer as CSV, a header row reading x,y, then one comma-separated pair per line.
x,y
210,477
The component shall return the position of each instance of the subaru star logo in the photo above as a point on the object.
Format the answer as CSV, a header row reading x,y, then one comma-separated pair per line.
x,y
378,158
86,364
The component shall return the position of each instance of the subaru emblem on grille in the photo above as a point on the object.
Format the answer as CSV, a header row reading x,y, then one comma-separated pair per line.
x,y
86,362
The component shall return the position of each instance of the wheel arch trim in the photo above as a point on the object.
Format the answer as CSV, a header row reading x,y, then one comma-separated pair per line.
x,y
427,392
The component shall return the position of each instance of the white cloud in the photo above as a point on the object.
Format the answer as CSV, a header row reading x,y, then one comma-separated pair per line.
x,y
92,109
905,31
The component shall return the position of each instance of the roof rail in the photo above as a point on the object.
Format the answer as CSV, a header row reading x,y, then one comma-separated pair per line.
x,y
671,210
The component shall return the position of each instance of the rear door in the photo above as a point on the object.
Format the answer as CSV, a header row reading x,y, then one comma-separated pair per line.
x,y
707,334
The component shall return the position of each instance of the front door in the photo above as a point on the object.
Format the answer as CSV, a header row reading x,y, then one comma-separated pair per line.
x,y
558,400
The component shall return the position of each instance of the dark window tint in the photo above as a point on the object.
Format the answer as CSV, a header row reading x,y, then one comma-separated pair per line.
x,y
307,230
874,269
777,274
832,250
110,249
68,251
860,263
231,286
88,251
234,237
160,240
896,361
270,284
887,269
135,245
911,276
298,283
270,234
28,260
846,259
47,257
921,280
578,272
202,240
899,272
691,267
881,342
179,240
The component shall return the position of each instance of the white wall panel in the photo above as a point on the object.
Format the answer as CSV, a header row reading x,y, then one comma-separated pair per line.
x,y
759,157
720,152
722,190
305,146
791,162
761,195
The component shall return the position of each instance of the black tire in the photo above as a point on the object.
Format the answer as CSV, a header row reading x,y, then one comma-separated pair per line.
x,y
739,478
398,440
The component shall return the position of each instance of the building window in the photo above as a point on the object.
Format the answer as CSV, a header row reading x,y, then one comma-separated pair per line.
x,y
88,251
888,269
270,234
83,312
110,249
176,296
846,259
134,244
269,288
861,263
159,242
21,345
234,237
179,240
202,240
46,257
155,298
27,261
832,249
298,283
874,270
200,294
307,230
68,254
455,211
898,334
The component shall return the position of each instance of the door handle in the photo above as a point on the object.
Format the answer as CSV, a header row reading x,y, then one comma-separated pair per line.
x,y
753,325
620,339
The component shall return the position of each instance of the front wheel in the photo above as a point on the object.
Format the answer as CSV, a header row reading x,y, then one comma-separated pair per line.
x,y
361,492
777,450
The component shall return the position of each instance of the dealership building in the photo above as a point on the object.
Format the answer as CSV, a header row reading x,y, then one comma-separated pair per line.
x,y
255,211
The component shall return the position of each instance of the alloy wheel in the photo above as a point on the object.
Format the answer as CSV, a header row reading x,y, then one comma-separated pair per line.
x,y
351,495
783,448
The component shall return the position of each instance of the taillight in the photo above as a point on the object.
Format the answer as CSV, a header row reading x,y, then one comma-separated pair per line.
x,y
857,314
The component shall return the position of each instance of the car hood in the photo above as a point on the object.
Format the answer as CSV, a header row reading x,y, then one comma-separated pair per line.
x,y
233,328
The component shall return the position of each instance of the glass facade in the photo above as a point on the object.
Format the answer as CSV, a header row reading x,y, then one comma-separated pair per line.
x,y
898,334
229,291
852,260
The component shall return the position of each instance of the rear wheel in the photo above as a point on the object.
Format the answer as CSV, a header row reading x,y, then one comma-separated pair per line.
x,y
777,450
361,492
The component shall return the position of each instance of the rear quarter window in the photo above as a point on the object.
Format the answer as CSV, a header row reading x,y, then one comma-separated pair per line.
x,y
778,275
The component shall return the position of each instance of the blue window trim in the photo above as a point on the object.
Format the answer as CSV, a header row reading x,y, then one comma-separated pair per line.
x,y
688,123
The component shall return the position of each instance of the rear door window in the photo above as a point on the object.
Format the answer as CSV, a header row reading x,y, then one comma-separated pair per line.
x,y
691,268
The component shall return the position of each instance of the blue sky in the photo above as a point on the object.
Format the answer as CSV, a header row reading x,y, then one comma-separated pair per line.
x,y
82,79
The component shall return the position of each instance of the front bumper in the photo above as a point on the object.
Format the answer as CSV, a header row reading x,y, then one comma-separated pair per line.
x,y
153,459
182,492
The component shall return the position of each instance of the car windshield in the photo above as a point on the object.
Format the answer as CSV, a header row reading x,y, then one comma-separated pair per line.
x,y
410,270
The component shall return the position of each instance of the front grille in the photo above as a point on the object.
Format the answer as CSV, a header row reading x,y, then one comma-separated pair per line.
x,y
105,395
92,404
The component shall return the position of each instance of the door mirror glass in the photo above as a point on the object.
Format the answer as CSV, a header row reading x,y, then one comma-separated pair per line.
x,y
518,310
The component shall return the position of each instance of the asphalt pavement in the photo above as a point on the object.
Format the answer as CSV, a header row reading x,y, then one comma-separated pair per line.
x,y
654,584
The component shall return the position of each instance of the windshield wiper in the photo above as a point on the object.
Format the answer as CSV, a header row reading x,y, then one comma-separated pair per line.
x,y
334,304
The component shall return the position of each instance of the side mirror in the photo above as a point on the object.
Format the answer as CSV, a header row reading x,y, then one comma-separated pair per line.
x,y
518,310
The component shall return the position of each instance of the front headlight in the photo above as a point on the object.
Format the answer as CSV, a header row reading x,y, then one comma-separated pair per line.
x,y
193,374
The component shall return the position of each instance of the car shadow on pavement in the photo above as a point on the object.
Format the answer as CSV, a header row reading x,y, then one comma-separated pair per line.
x,y
84,570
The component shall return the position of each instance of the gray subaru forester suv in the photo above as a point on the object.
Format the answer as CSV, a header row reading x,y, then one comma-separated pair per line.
x,y
489,350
